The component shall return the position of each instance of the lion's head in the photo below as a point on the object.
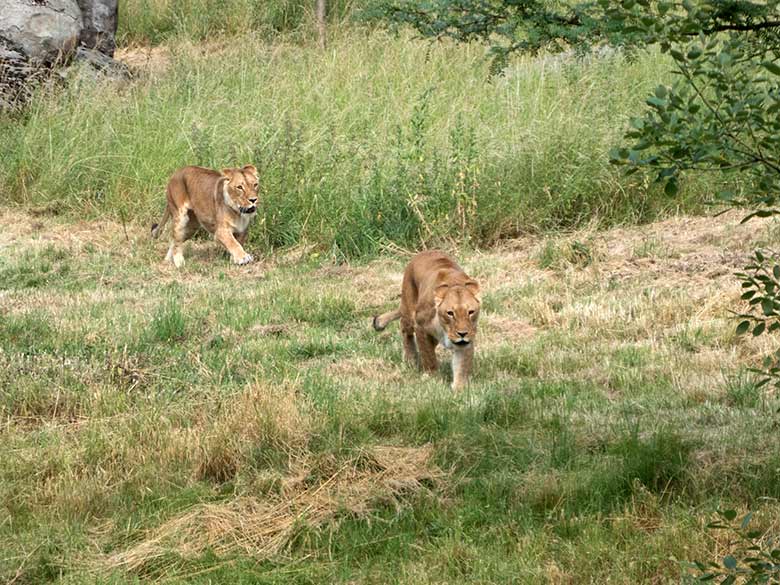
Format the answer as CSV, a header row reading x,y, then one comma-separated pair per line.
x,y
240,189
457,306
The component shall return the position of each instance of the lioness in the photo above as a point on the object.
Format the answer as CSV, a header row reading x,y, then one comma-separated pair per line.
x,y
222,202
439,304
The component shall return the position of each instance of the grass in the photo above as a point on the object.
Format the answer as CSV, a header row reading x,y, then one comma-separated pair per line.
x,y
225,424
361,150
246,425
155,21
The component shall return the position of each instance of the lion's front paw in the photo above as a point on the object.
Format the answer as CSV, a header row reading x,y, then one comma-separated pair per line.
x,y
245,260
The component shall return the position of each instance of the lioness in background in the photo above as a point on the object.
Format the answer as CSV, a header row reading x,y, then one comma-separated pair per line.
x,y
439,304
224,203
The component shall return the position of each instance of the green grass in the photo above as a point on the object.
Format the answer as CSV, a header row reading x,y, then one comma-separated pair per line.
x,y
154,21
599,434
246,425
360,147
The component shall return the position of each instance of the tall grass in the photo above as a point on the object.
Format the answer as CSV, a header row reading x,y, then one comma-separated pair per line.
x,y
154,21
379,140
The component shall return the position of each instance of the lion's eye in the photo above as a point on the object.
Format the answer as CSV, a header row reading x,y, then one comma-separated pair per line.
x,y
450,313
471,312
240,187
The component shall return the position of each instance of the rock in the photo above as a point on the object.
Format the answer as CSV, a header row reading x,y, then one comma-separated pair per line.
x,y
99,18
102,63
15,71
39,37
43,31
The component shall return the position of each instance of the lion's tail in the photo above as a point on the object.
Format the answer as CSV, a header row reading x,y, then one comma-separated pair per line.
x,y
157,228
382,321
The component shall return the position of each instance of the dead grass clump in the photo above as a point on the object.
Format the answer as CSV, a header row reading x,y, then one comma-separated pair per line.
x,y
497,330
264,417
365,370
153,60
261,528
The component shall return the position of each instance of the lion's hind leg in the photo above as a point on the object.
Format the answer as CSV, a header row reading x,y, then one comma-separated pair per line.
x,y
411,354
183,228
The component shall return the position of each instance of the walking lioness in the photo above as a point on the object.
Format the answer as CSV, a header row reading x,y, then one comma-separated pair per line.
x,y
439,304
223,203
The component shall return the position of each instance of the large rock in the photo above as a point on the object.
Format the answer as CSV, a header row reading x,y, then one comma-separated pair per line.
x,y
44,31
40,37
99,18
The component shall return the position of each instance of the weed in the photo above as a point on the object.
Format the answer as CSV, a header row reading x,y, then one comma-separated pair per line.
x,y
169,322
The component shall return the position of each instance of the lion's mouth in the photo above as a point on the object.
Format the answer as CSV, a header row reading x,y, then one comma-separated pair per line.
x,y
462,342
248,210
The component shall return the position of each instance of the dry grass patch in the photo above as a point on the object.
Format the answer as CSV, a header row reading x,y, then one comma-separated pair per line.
x,y
496,330
366,369
261,529
263,416
149,60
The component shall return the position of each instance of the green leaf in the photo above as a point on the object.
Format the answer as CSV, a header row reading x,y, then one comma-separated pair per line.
x,y
759,329
776,271
729,514
743,327
767,307
671,188
730,562
657,103
771,67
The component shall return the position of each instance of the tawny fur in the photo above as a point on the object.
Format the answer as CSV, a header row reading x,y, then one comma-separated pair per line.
x,y
223,203
439,304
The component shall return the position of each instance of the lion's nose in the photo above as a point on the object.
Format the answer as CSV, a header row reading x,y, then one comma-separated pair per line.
x,y
463,333
253,200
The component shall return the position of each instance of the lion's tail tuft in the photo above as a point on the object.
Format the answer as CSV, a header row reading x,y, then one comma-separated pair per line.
x,y
158,227
382,321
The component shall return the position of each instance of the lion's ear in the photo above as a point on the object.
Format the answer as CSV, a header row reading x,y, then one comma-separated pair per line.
x,y
439,292
250,169
228,173
473,287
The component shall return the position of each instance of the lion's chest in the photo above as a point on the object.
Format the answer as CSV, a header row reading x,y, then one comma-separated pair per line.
x,y
242,223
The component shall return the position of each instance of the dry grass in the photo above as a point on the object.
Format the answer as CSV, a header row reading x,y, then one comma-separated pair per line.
x,y
271,413
262,416
260,528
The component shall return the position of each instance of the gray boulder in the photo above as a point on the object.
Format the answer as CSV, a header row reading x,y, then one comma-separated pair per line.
x,y
101,64
39,37
99,18
43,31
